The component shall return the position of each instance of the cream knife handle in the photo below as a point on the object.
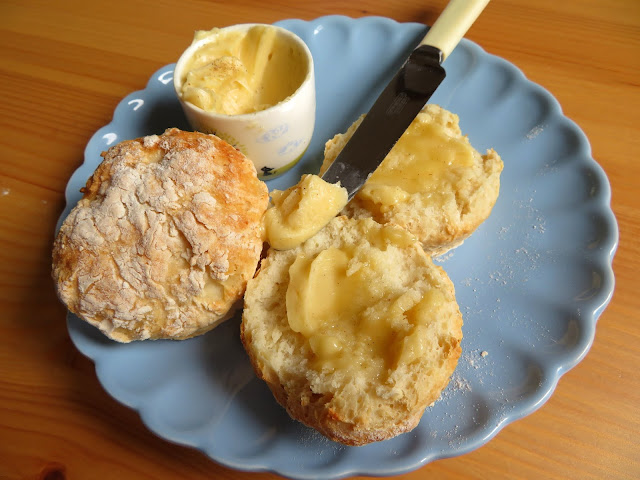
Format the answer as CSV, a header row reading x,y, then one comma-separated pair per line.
x,y
452,24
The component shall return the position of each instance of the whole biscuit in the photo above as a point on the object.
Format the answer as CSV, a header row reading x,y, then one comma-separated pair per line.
x,y
164,239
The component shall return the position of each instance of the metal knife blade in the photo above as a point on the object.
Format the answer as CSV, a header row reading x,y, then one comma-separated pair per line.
x,y
392,113
403,98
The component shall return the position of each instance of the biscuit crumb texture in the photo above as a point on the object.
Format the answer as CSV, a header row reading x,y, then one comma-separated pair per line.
x,y
364,404
440,219
164,239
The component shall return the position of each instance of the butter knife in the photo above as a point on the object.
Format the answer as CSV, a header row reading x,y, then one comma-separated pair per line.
x,y
403,98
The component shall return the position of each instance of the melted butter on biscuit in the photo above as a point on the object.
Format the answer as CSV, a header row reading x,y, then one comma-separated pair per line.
x,y
424,160
301,211
240,72
346,302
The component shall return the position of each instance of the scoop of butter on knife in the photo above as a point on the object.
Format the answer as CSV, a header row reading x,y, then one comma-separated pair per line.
x,y
403,98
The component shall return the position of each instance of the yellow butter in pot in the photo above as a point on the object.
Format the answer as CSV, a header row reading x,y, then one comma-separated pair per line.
x,y
242,71
301,211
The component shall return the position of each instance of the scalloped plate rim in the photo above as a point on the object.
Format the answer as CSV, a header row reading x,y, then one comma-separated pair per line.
x,y
594,310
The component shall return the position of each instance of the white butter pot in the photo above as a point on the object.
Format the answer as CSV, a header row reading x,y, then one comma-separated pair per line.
x,y
275,138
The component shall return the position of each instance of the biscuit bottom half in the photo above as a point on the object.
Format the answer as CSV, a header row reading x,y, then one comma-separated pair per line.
x,y
355,331
432,183
164,239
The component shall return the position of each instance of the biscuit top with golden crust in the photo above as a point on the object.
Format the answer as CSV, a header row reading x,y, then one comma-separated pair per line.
x,y
165,238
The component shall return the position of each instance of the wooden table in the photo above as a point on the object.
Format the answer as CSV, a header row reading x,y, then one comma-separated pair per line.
x,y
66,64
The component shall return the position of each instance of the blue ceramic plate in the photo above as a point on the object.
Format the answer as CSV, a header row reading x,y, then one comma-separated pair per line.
x,y
531,281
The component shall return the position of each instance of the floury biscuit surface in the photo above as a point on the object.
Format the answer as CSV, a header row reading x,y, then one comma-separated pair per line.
x,y
433,182
355,331
163,241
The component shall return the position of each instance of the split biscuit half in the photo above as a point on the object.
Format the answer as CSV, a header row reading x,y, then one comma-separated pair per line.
x,y
355,331
433,182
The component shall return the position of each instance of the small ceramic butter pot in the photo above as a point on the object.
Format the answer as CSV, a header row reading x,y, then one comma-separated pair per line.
x,y
275,137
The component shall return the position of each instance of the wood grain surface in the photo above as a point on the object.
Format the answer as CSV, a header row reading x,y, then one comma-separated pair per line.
x,y
65,65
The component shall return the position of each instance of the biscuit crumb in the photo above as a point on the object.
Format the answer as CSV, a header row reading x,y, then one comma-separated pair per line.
x,y
461,383
150,141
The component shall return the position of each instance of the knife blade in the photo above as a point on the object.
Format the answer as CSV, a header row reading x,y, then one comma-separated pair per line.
x,y
403,97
